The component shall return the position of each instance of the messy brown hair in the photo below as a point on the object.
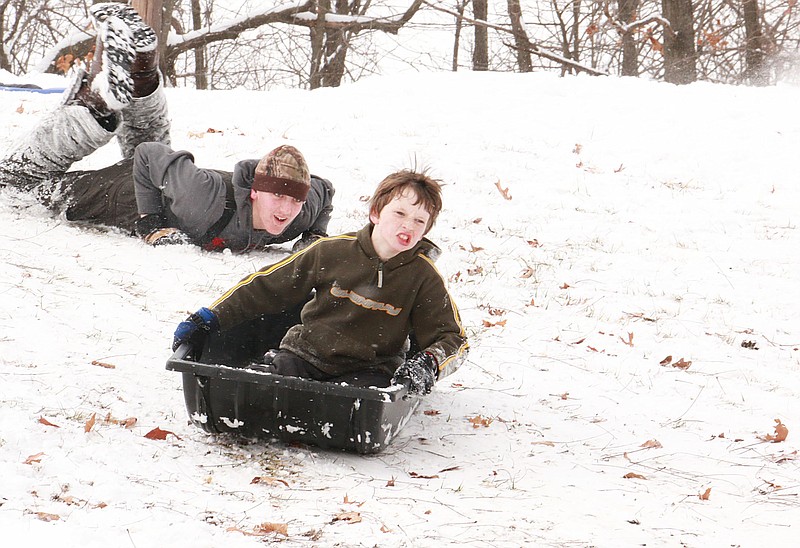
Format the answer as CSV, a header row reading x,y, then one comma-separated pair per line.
x,y
427,189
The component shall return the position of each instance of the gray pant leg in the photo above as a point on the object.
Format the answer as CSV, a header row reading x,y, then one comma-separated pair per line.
x,y
63,137
144,120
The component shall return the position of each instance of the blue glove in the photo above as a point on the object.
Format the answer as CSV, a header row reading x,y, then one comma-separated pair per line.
x,y
195,328
417,373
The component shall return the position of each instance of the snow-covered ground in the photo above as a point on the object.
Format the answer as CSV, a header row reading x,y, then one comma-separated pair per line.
x,y
600,235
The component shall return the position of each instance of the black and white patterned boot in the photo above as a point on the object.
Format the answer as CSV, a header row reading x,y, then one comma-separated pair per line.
x,y
144,37
113,82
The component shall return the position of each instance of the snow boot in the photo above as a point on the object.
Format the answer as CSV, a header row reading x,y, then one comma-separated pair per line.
x,y
144,69
106,88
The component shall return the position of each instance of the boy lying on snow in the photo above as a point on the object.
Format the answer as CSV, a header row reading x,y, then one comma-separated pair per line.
x,y
157,192
371,289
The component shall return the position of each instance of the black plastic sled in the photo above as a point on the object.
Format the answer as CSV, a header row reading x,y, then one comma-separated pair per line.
x,y
224,396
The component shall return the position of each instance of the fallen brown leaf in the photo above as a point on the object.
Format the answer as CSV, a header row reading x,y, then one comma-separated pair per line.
x,y
349,517
632,475
706,495
422,476
651,444
666,361
267,480
266,527
90,423
33,458
46,422
501,323
479,420
503,191
780,433
629,342
159,434
104,364
681,364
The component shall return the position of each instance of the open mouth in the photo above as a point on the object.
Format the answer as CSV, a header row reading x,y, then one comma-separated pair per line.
x,y
405,239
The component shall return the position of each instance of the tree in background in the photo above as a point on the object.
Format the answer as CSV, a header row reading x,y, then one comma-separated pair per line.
x,y
679,53
522,43
756,70
258,44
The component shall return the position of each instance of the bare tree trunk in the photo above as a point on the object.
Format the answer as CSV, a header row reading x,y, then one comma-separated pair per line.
x,y
576,19
200,68
480,55
460,7
755,73
627,15
680,58
158,14
317,32
521,39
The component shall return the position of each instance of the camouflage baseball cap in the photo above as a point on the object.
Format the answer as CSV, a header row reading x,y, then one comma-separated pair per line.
x,y
283,171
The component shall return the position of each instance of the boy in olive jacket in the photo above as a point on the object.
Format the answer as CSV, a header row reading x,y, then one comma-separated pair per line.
x,y
371,290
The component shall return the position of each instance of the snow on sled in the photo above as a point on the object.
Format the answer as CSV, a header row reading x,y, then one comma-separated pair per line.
x,y
223,395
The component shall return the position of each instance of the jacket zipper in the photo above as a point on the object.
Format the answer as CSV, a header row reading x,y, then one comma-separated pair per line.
x,y
380,275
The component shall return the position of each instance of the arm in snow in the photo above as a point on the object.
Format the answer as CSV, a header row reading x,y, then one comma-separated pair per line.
x,y
168,182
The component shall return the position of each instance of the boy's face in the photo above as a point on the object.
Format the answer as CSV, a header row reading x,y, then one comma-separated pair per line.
x,y
273,212
400,225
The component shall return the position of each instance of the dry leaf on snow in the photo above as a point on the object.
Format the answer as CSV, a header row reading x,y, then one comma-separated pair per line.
x,y
90,423
681,364
651,444
503,191
349,517
46,422
632,475
422,476
33,458
159,434
479,420
780,433
501,323
44,516
266,527
706,495
267,480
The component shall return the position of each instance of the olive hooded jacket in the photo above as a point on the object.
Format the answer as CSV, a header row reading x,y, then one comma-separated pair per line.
x,y
363,309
